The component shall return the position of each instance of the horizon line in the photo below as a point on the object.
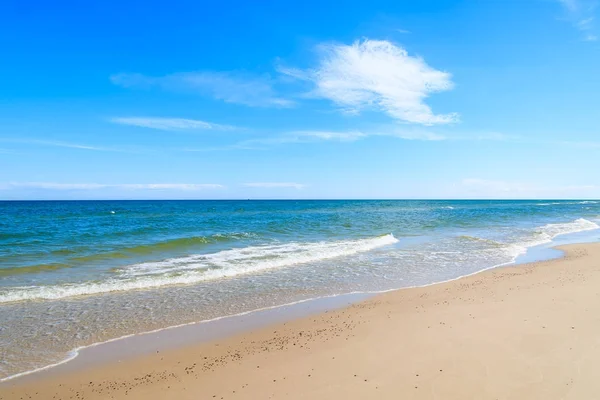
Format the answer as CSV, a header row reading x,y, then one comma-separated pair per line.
x,y
323,199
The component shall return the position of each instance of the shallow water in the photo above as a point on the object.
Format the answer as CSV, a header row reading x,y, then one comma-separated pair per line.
x,y
76,273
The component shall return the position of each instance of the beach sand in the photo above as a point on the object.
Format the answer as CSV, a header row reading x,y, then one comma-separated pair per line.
x,y
522,332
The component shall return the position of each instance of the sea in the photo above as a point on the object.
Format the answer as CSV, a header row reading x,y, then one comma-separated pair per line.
x,y
78,273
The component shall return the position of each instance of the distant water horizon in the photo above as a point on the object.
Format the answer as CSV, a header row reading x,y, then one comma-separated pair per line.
x,y
77,272
296,199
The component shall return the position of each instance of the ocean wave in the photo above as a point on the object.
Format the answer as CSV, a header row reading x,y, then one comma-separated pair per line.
x,y
32,269
127,252
490,242
545,234
550,231
202,267
541,235
568,203
167,245
174,244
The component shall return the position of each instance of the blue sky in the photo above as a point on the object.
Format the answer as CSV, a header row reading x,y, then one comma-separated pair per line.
x,y
311,99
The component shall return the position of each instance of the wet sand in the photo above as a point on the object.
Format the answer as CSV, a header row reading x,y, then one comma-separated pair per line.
x,y
524,332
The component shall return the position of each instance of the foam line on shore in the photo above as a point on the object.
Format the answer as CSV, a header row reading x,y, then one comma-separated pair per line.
x,y
547,234
75,352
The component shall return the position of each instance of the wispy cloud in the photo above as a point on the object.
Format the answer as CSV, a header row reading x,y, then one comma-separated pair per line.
x,y
582,144
513,189
125,186
379,75
581,14
230,87
70,145
275,185
170,124
348,136
317,136
309,136
417,135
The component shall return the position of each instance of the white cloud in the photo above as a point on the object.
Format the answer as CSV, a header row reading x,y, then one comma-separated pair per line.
x,y
308,136
348,136
275,185
338,136
581,14
377,74
581,145
169,124
311,136
125,186
417,135
61,144
250,90
298,137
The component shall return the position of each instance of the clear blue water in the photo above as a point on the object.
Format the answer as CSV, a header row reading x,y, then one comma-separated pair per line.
x,y
76,273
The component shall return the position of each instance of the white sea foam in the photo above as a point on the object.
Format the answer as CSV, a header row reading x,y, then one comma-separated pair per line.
x,y
545,234
568,203
272,257
550,231
513,248
203,267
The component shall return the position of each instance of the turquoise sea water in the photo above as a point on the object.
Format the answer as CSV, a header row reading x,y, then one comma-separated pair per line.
x,y
77,273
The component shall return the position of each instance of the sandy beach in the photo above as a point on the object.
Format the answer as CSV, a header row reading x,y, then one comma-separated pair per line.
x,y
523,332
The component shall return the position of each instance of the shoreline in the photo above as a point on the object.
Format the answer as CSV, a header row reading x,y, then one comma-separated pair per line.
x,y
54,332
545,252
338,299
45,379
538,253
